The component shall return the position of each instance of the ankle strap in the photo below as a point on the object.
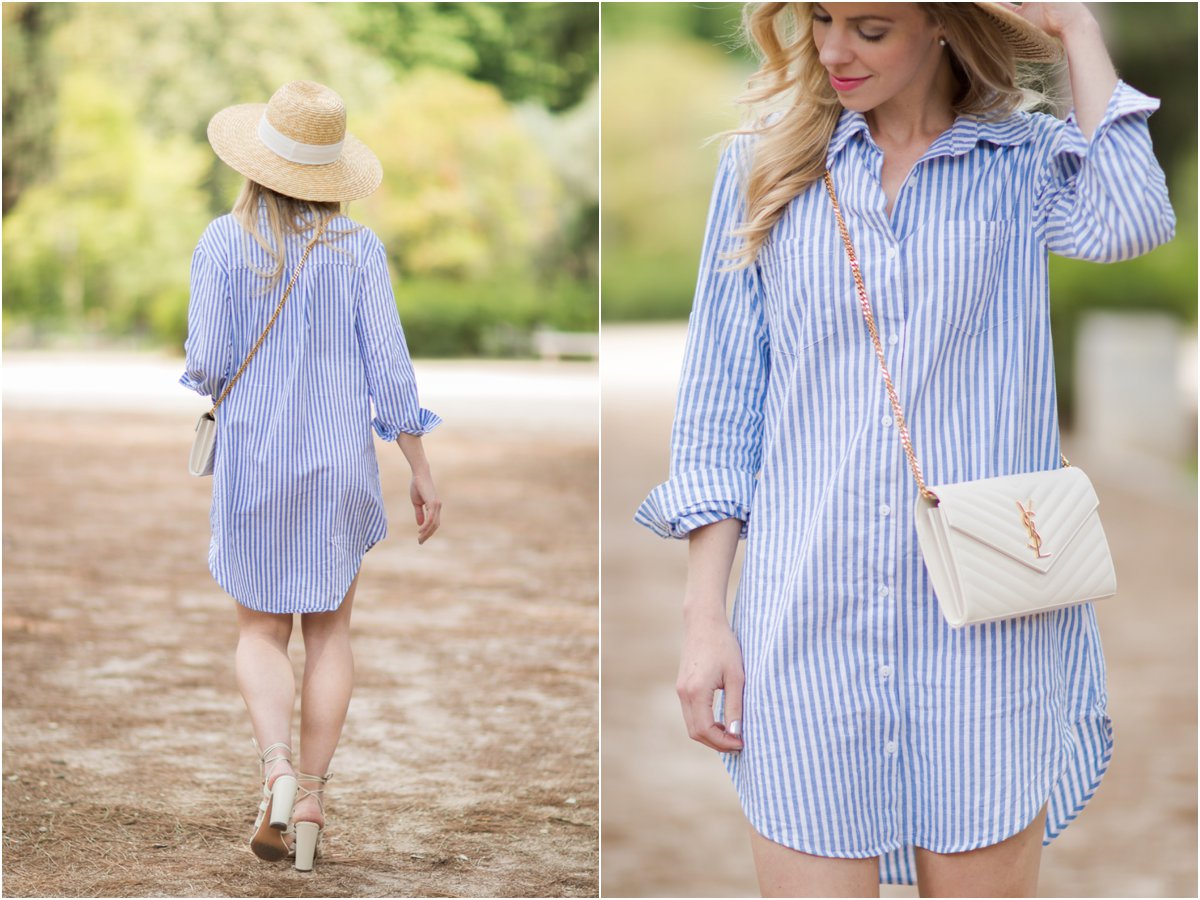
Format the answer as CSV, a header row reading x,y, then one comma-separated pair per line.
x,y
264,757
312,792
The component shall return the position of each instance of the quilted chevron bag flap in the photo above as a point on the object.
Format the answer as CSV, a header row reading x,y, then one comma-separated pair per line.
x,y
1014,545
996,548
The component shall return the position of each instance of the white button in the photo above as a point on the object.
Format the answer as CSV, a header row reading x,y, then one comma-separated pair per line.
x,y
885,510
884,591
894,339
886,420
891,252
885,671
890,747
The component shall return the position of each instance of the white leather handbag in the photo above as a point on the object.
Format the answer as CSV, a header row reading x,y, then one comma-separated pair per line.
x,y
996,548
204,444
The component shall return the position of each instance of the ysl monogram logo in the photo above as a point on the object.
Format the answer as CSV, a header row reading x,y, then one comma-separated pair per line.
x,y
1035,539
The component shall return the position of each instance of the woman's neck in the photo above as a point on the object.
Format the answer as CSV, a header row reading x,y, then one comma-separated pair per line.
x,y
915,117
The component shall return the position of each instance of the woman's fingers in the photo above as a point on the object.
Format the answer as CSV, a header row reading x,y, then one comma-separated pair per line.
x,y
734,683
696,698
427,508
711,660
429,517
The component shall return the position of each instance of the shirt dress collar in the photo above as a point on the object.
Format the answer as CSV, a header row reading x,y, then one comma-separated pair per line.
x,y
959,138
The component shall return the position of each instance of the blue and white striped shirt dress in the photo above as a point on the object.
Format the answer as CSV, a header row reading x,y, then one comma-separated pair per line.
x,y
870,726
296,499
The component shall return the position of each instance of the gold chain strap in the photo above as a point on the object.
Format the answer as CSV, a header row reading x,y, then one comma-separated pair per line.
x,y
274,316
869,317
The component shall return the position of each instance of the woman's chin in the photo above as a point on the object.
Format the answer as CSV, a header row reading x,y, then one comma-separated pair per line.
x,y
857,104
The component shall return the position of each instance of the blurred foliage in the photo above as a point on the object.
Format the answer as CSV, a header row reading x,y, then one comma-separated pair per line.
x,y
104,243
658,170
716,24
448,201
495,317
488,207
543,51
30,83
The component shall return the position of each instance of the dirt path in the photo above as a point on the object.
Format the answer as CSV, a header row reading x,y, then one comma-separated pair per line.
x,y
672,825
468,765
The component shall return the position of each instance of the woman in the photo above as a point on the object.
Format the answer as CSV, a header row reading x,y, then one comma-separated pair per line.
x,y
868,741
296,492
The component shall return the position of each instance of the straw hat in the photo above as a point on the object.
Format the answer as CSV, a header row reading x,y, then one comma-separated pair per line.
x,y
1028,42
297,144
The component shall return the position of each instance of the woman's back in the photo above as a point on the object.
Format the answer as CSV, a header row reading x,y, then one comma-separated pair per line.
x,y
296,496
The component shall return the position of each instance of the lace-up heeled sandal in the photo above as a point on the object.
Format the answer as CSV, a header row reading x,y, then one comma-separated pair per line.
x,y
307,843
275,810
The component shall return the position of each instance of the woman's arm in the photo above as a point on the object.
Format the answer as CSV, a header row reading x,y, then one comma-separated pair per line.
x,y
716,452
1100,193
426,505
1093,77
422,492
711,659
208,348
384,351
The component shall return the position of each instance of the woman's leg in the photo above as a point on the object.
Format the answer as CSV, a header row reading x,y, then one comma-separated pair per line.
x,y
265,678
783,872
325,694
1006,869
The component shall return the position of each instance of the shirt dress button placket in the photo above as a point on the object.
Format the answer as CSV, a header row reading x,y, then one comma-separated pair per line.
x,y
888,524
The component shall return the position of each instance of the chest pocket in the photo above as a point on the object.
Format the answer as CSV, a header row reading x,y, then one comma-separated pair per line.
x,y
965,260
809,294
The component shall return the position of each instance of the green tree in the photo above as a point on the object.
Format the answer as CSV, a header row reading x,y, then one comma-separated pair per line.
x,y
543,51
488,207
657,168
464,196
30,86
101,244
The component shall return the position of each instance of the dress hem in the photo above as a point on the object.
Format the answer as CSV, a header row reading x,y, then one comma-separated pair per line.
x,y
212,568
1055,822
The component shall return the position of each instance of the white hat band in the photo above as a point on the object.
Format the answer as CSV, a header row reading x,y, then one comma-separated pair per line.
x,y
295,151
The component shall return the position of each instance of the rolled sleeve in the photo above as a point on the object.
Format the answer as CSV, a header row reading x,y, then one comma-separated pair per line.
x,y
390,378
1104,198
208,348
716,440
693,499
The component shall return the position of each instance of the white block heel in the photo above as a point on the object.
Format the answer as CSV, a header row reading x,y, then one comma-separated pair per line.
x,y
283,797
278,797
307,834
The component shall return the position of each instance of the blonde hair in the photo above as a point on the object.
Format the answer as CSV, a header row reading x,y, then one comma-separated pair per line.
x,y
789,154
284,215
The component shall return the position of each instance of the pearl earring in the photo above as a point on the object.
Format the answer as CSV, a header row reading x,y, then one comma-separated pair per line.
x,y
941,42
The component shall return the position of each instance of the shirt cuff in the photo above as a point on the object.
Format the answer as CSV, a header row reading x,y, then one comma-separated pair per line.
x,y
426,422
192,383
1125,101
687,501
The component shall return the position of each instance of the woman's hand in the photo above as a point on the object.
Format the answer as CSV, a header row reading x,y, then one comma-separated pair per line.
x,y
1093,78
1056,19
711,660
426,505
421,491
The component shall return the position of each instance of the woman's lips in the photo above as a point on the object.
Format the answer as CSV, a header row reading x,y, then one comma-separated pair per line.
x,y
845,84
